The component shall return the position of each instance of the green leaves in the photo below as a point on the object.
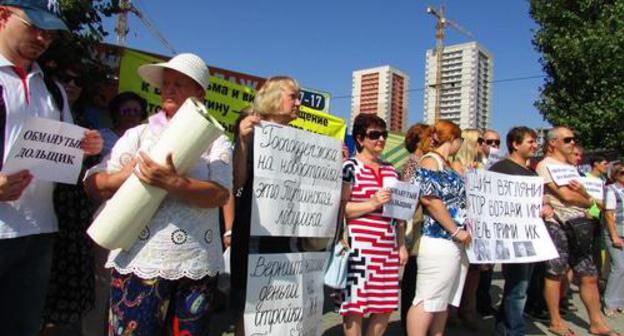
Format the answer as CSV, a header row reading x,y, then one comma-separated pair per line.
x,y
582,47
75,50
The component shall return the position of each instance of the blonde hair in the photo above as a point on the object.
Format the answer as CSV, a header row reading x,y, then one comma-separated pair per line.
x,y
467,153
269,98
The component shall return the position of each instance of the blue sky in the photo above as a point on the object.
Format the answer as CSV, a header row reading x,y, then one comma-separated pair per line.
x,y
321,43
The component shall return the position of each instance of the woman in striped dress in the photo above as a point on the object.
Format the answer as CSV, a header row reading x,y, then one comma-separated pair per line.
x,y
377,248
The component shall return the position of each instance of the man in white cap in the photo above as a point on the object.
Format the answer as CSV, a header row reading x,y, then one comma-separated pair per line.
x,y
27,220
176,257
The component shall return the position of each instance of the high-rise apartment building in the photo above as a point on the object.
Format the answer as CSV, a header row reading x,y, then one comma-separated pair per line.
x,y
466,96
381,90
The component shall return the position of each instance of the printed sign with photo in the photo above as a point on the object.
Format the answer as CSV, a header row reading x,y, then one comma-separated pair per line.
x,y
504,216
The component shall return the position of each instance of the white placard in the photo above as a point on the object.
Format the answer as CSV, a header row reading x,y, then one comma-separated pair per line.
x,y
495,156
594,187
297,182
504,217
403,201
285,294
563,174
49,149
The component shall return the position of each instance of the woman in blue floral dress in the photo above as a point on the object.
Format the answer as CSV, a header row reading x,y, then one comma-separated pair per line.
x,y
442,261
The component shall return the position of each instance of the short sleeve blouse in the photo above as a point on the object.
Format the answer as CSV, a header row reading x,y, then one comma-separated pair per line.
x,y
448,186
181,240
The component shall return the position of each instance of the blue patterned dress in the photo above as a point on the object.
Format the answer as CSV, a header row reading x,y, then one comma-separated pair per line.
x,y
448,186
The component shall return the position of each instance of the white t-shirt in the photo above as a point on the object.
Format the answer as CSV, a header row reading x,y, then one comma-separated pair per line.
x,y
33,212
181,240
563,211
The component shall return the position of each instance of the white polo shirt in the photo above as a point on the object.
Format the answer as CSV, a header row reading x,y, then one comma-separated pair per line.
x,y
33,212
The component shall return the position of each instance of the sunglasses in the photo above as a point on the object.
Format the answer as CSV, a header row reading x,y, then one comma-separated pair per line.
x,y
67,78
568,140
480,141
51,34
374,135
491,142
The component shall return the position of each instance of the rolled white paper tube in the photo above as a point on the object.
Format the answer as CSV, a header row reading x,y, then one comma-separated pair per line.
x,y
189,133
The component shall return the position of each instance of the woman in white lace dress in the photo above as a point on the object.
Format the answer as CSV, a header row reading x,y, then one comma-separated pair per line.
x,y
167,278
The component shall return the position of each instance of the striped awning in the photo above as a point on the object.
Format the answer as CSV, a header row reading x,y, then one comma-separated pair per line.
x,y
395,152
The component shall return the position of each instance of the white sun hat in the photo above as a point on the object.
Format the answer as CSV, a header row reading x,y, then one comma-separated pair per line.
x,y
188,64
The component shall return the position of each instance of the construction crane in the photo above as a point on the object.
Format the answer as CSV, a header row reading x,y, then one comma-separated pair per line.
x,y
121,28
441,23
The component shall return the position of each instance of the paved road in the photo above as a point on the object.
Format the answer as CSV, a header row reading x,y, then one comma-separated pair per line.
x,y
331,324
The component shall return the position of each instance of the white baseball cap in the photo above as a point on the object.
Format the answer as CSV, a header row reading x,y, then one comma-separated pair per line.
x,y
188,64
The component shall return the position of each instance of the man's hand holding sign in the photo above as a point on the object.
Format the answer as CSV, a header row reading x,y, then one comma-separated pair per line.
x,y
12,185
48,150
44,150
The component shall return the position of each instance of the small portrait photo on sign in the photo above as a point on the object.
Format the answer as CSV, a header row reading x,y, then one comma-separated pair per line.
x,y
502,251
524,249
482,250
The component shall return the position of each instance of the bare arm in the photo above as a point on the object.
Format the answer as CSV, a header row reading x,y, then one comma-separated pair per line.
x,y
203,194
570,196
401,232
240,164
438,211
228,220
613,234
358,209
102,186
12,186
458,167
241,149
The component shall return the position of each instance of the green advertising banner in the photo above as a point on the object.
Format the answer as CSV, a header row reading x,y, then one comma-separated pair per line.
x,y
225,99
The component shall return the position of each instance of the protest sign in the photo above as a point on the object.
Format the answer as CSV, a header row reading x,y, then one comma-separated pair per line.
x,y
297,182
504,216
403,199
495,156
594,187
563,174
284,294
226,97
49,149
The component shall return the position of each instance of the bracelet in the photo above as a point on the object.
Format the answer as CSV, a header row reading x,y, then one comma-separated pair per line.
x,y
456,232
227,233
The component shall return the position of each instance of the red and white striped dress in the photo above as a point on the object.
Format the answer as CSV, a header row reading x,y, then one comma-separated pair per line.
x,y
373,268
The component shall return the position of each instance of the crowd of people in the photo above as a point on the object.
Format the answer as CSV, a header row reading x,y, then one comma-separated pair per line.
x,y
166,282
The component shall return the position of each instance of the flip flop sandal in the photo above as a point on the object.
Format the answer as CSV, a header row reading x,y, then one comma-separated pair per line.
x,y
606,333
562,331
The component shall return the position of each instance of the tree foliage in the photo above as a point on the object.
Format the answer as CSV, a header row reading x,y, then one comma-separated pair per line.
x,y
75,50
582,47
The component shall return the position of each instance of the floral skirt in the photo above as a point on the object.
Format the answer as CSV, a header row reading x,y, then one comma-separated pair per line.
x,y
148,306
